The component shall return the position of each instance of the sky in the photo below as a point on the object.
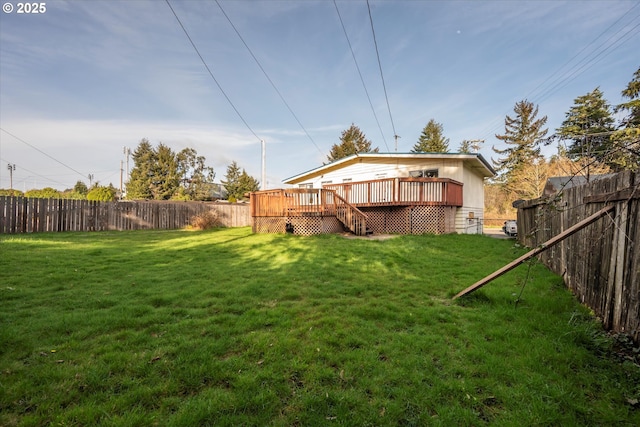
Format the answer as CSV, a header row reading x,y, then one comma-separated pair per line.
x,y
82,80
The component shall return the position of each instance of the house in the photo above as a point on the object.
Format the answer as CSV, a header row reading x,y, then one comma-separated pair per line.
x,y
403,193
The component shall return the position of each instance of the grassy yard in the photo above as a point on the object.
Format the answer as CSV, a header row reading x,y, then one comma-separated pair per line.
x,y
223,327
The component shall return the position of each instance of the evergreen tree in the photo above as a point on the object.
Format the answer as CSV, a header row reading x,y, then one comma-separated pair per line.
x,y
465,147
522,135
431,140
166,179
161,174
238,183
248,183
625,153
632,93
141,176
352,141
589,125
232,182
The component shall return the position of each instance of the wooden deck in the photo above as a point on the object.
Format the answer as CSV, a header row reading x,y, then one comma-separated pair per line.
x,y
285,209
401,192
308,203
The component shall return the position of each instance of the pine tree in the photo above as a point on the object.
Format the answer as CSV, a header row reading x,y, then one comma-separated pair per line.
x,y
589,125
248,183
238,183
139,184
625,153
166,179
232,182
465,147
352,141
161,174
431,140
523,134
632,93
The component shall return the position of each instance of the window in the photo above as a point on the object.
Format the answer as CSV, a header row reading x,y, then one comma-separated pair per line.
x,y
310,185
326,182
347,179
426,173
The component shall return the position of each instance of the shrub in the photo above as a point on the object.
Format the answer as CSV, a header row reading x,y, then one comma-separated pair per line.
x,y
102,194
205,220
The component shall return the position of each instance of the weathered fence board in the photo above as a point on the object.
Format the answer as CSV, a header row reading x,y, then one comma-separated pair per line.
x,y
601,263
29,215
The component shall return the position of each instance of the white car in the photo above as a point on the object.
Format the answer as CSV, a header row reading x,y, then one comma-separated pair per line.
x,y
510,228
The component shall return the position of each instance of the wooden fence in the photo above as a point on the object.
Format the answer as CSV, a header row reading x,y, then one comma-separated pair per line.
x,y
601,262
30,215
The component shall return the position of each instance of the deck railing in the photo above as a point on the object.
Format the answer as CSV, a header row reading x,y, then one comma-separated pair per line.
x,y
354,219
292,202
401,192
298,202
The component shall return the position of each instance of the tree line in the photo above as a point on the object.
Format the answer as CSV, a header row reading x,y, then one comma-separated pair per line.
x,y
590,141
159,173
431,140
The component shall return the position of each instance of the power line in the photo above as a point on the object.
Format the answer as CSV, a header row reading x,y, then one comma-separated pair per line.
x,y
42,152
573,72
590,63
21,168
210,72
268,78
581,50
384,86
360,74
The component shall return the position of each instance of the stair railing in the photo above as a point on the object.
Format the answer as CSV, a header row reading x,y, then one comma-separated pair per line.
x,y
353,218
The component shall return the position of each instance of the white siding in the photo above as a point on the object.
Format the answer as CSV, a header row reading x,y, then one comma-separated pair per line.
x,y
472,202
366,169
467,225
372,169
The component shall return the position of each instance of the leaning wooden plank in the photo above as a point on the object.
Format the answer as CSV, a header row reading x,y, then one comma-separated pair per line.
x,y
546,245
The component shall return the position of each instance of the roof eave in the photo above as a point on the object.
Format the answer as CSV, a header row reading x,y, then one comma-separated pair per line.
x,y
487,170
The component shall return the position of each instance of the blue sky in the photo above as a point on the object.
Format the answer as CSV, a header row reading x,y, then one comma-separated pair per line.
x,y
86,78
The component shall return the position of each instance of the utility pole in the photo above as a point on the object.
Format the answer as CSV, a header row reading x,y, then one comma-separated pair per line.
x,y
127,152
264,165
11,169
90,176
396,139
121,172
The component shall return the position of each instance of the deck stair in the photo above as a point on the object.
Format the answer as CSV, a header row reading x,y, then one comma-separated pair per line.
x,y
351,217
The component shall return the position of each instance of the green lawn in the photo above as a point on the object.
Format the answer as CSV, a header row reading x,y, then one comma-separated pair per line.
x,y
223,327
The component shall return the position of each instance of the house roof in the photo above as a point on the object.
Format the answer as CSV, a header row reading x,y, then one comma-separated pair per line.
x,y
473,161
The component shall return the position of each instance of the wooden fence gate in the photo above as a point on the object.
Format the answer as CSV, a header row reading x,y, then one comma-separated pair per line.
x,y
601,262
